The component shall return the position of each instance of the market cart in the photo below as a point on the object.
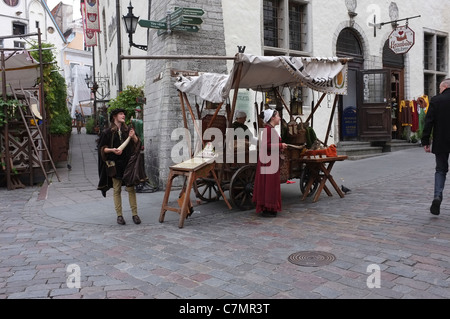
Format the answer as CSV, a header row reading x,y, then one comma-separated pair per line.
x,y
262,74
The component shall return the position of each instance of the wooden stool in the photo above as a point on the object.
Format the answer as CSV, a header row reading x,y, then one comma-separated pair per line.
x,y
321,172
191,169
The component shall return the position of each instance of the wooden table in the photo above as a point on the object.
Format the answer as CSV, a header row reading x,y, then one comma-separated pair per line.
x,y
320,170
192,169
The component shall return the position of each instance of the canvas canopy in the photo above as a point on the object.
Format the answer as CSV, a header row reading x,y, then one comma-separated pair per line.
x,y
263,73
21,71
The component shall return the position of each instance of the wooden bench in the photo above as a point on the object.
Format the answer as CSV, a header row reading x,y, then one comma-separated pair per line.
x,y
320,170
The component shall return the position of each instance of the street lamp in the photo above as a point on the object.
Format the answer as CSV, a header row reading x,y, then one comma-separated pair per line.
x,y
131,22
92,85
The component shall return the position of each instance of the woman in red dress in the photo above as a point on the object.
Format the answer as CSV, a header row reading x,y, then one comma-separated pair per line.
x,y
267,188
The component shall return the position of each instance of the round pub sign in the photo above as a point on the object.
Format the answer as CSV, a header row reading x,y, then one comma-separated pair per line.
x,y
401,40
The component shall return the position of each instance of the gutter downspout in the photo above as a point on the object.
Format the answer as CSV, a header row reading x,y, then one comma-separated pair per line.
x,y
119,45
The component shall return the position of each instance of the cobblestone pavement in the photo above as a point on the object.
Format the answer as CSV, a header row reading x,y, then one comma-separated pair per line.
x,y
384,223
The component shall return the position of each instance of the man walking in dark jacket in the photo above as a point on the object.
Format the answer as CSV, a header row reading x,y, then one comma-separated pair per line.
x,y
437,132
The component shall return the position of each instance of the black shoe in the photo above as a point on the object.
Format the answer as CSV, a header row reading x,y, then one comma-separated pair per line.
x,y
268,214
136,219
104,192
435,208
120,220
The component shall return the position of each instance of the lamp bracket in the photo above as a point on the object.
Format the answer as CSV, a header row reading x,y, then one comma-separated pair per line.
x,y
376,25
139,46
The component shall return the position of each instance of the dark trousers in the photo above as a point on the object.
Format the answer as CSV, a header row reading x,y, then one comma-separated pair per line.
x,y
441,174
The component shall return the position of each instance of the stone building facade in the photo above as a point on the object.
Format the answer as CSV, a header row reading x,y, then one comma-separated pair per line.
x,y
360,29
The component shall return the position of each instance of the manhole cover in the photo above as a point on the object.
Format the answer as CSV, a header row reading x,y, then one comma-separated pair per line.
x,y
312,258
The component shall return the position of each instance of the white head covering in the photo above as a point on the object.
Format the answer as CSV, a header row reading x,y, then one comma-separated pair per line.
x,y
268,115
240,114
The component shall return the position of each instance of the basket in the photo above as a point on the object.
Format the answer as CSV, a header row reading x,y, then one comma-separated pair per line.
x,y
296,132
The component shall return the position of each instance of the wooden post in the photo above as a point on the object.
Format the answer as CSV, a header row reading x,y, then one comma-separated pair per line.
x,y
6,127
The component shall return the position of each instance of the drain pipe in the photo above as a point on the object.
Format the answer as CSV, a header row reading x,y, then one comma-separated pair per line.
x,y
148,18
119,45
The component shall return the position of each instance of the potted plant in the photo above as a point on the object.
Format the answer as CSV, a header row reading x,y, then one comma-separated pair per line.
x,y
60,131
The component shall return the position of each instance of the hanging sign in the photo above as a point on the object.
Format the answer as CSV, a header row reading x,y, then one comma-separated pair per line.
x,y
402,39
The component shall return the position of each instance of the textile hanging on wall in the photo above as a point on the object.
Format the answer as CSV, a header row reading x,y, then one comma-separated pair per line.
x,y
90,36
92,15
415,116
405,113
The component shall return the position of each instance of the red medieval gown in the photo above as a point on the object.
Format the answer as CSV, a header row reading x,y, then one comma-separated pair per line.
x,y
267,187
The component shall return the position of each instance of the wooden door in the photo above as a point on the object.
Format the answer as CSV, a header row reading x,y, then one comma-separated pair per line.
x,y
374,109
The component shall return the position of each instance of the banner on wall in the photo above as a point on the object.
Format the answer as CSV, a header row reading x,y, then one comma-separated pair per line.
x,y
90,36
92,15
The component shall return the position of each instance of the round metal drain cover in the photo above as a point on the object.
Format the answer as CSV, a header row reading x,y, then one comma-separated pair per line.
x,y
312,258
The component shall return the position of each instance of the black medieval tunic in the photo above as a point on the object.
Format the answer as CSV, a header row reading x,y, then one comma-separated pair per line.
x,y
112,138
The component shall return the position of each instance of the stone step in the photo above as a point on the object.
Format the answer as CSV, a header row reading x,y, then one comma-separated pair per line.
x,y
356,150
360,151
398,145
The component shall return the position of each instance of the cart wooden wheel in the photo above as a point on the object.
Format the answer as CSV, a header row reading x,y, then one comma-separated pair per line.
x,y
241,187
207,189
304,178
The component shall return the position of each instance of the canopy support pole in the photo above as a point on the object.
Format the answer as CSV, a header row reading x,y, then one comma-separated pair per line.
x,y
336,98
214,116
316,107
277,91
183,110
193,119
236,83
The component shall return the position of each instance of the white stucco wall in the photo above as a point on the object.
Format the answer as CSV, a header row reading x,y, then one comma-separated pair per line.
x,y
133,71
243,26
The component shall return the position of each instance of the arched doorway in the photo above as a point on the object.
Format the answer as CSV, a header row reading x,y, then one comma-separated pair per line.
x,y
365,110
349,45
395,64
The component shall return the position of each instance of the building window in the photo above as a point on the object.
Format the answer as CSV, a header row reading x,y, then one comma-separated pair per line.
x,y
72,71
271,23
1,43
297,26
19,28
441,53
435,61
285,27
19,45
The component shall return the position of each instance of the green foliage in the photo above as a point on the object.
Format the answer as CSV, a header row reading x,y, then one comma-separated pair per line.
x,y
127,100
12,111
61,124
55,89
90,124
